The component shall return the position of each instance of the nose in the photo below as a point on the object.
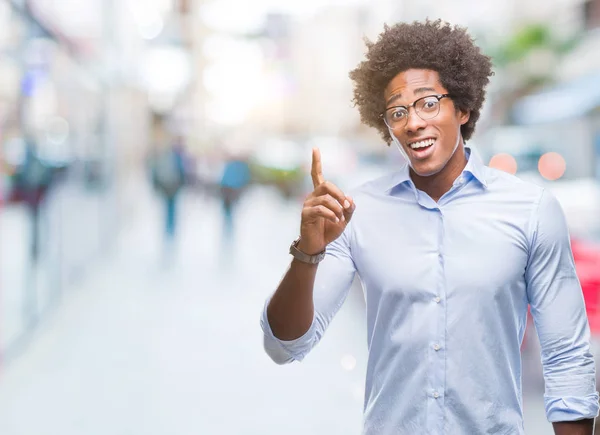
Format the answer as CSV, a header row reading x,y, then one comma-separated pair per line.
x,y
414,122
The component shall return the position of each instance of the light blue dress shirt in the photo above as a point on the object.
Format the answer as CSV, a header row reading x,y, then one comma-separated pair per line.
x,y
447,286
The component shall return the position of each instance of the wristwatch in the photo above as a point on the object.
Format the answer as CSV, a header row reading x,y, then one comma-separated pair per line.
x,y
305,258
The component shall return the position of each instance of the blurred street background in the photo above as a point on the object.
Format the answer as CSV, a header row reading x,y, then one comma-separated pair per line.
x,y
154,159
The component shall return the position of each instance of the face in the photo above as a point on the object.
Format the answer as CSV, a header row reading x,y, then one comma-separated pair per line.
x,y
430,143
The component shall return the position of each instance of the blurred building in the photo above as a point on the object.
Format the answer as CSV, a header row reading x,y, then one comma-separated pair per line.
x,y
321,52
80,81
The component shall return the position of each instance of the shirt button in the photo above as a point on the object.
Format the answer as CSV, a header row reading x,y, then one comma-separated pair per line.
x,y
437,300
436,395
436,347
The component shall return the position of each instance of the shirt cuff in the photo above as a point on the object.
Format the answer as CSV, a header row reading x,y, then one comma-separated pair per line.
x,y
285,351
571,408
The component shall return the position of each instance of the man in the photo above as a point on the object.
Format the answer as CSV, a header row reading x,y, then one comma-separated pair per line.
x,y
169,177
450,254
234,180
33,180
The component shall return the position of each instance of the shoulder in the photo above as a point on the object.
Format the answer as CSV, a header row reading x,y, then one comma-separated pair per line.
x,y
543,208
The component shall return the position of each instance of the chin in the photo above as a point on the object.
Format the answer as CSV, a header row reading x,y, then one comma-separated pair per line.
x,y
426,170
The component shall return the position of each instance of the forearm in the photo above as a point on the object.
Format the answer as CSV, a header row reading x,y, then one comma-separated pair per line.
x,y
291,310
580,427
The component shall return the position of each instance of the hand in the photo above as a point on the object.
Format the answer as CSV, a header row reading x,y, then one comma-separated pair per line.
x,y
325,213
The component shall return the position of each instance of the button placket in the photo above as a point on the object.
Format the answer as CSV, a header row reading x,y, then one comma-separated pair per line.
x,y
437,343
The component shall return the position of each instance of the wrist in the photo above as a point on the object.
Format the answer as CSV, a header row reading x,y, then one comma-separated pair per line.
x,y
307,249
306,256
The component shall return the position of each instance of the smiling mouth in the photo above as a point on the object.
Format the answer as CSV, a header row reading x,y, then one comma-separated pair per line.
x,y
421,145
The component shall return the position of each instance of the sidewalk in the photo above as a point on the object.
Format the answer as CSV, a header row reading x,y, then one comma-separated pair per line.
x,y
71,224
146,349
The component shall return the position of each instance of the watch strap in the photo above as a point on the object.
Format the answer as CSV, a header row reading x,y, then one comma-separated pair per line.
x,y
303,257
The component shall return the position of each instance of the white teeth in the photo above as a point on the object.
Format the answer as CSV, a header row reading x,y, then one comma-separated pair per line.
x,y
422,144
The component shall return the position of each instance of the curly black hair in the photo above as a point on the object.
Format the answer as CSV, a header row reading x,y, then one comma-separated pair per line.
x,y
435,45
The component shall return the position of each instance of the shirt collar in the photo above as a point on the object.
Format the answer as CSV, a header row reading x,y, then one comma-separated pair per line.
x,y
474,166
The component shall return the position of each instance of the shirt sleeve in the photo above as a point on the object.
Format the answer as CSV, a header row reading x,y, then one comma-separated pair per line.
x,y
332,283
558,310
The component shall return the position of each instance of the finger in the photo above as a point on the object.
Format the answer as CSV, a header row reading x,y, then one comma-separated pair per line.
x,y
329,188
313,212
329,202
349,210
316,171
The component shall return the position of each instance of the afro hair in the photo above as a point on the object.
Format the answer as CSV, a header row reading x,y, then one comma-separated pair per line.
x,y
434,45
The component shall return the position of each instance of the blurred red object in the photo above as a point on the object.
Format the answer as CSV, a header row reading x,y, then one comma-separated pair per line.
x,y
587,263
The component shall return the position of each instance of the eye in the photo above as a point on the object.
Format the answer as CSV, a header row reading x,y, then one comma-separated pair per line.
x,y
398,114
430,104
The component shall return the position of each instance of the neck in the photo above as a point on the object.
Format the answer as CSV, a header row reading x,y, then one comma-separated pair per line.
x,y
438,184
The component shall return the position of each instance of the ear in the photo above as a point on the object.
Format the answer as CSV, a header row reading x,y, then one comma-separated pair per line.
x,y
463,117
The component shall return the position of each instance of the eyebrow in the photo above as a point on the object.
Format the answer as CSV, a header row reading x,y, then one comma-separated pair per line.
x,y
396,97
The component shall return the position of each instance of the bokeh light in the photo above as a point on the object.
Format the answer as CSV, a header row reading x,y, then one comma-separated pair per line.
x,y
552,166
348,362
504,162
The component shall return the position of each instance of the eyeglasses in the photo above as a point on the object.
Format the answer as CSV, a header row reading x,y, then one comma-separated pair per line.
x,y
426,107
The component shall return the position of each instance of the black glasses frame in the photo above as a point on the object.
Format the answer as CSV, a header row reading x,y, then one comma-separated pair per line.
x,y
438,96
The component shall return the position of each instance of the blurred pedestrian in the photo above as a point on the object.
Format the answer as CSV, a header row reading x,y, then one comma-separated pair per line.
x,y
169,176
450,253
32,180
234,180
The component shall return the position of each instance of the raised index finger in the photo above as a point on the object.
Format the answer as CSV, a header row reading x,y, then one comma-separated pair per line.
x,y
316,171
